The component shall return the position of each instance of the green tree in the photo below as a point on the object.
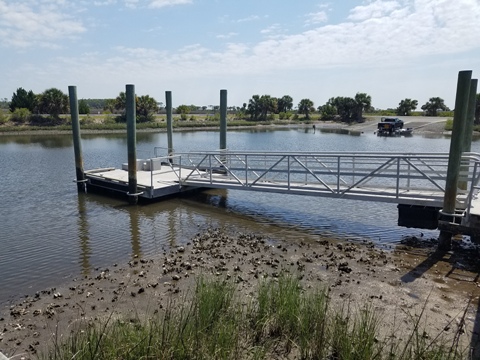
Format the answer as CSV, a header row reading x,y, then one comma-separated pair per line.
x,y
254,108
53,102
259,107
327,111
434,105
121,102
109,105
347,107
406,106
268,105
21,115
183,109
363,103
83,107
22,99
284,104
305,107
146,108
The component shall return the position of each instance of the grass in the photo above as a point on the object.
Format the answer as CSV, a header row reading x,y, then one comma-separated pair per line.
x,y
108,123
281,321
449,126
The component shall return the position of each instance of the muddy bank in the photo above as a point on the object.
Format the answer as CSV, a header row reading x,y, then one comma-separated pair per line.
x,y
399,284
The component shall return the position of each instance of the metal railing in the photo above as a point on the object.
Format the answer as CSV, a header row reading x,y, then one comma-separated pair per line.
x,y
403,178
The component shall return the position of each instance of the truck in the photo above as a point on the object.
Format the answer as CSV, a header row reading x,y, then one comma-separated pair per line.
x,y
389,126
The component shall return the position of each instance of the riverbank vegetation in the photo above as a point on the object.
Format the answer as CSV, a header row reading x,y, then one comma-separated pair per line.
x,y
29,111
281,320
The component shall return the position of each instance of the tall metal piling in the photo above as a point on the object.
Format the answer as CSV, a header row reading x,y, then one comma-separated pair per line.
x,y
467,139
131,113
168,102
456,147
223,119
77,144
470,115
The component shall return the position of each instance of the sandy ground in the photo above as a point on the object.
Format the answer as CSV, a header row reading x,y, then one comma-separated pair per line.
x,y
398,283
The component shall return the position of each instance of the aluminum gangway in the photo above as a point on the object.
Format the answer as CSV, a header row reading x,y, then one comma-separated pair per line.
x,y
401,178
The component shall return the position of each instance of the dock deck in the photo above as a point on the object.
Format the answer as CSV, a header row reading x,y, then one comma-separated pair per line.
x,y
152,184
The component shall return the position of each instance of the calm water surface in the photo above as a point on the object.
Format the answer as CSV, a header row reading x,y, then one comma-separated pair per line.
x,y
49,233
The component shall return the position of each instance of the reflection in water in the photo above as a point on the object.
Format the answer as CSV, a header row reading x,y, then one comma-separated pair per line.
x,y
48,142
341,132
135,232
83,236
172,220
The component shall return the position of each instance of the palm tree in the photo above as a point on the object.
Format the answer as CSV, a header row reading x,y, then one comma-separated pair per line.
x,y
254,107
267,104
434,105
305,106
121,102
285,103
54,102
405,107
146,107
364,102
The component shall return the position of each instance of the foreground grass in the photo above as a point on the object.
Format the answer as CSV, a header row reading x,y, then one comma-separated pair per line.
x,y
280,321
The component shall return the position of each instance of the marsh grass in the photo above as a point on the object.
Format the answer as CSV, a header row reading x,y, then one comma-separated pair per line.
x,y
282,320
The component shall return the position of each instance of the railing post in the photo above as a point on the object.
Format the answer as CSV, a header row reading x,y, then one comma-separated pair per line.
x,y
338,175
398,178
131,143
246,170
77,144
288,171
168,106
455,155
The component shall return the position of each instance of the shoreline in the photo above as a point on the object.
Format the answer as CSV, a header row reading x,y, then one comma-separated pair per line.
x,y
421,125
399,284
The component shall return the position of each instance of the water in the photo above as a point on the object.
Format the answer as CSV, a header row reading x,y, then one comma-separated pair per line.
x,y
50,233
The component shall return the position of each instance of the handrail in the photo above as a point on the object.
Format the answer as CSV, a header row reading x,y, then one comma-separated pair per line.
x,y
370,175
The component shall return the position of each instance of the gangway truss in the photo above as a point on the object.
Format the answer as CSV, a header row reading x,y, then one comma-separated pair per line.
x,y
401,178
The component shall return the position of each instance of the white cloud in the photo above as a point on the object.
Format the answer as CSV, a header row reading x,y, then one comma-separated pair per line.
x,y
273,31
249,18
375,9
316,18
25,24
104,3
427,28
132,4
227,36
162,3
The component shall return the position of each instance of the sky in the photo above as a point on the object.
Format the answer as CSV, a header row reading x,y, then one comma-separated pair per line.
x,y
389,49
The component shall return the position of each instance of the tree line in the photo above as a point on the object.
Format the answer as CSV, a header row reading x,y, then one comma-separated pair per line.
x,y
25,104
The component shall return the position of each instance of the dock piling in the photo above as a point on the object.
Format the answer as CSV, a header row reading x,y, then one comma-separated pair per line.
x,y
223,119
470,115
77,144
447,214
168,102
130,108
467,142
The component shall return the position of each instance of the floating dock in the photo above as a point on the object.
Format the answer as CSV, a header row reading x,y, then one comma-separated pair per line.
x,y
156,178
